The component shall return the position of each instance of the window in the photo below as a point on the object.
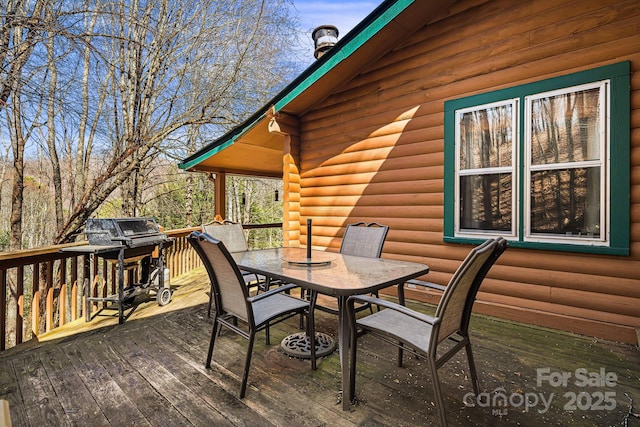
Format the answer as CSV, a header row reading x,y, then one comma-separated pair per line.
x,y
545,164
566,143
485,154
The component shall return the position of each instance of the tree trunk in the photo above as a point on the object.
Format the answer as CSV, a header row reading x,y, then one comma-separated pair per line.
x,y
83,146
17,44
17,190
51,124
15,239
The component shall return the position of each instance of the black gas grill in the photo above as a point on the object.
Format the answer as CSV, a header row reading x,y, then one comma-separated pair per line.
x,y
135,244
136,234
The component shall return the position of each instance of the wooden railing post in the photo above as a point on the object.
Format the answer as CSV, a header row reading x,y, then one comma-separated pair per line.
x,y
62,297
74,300
93,291
62,305
50,294
49,310
36,300
3,309
74,287
20,302
35,313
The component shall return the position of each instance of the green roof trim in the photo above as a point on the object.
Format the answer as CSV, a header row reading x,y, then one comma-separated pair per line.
x,y
212,149
374,23
343,49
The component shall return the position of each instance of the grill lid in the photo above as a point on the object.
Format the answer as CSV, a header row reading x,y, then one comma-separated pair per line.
x,y
118,231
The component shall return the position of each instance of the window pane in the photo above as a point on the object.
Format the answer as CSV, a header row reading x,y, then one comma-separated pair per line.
x,y
566,202
485,202
566,128
486,137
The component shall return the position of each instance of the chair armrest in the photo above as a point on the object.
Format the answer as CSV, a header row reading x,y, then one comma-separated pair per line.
x,y
396,307
424,284
270,292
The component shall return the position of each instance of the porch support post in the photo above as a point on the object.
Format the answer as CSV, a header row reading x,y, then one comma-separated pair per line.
x,y
220,195
291,192
289,128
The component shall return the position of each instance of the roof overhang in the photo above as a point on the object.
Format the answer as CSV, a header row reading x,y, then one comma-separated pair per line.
x,y
237,151
253,151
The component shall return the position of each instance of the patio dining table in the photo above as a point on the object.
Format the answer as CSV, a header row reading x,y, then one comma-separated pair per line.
x,y
331,274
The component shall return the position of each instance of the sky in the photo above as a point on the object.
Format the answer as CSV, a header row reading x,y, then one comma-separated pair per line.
x,y
344,14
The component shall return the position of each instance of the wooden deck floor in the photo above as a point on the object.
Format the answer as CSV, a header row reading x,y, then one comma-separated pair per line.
x,y
149,371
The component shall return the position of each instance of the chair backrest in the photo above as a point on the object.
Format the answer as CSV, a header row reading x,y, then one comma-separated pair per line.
x,y
362,239
230,292
456,303
231,234
501,246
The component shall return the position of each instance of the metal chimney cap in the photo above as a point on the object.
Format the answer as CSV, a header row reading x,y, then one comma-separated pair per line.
x,y
324,38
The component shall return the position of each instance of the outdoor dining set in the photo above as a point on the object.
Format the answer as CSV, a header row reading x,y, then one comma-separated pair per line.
x,y
251,290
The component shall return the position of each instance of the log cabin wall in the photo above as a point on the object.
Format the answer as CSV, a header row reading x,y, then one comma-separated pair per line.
x,y
291,191
374,151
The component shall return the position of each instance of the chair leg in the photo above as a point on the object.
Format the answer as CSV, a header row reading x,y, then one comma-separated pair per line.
x,y
401,301
312,297
268,335
303,295
247,363
210,301
214,333
401,294
311,333
472,369
437,391
352,354
375,294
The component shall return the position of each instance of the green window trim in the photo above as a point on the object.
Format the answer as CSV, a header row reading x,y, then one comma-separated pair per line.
x,y
618,225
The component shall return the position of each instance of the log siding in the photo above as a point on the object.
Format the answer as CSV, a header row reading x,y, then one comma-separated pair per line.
x,y
373,150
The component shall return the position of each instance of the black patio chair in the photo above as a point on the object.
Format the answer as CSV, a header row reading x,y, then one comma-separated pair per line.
x,y
233,303
360,239
234,239
421,334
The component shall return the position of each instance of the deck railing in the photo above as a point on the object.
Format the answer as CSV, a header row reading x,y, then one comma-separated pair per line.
x,y
41,289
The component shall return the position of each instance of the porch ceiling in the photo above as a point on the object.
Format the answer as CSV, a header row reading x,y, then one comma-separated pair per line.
x,y
256,152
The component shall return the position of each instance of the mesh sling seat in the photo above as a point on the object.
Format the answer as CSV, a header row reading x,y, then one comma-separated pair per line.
x,y
233,237
230,233
233,303
422,334
360,239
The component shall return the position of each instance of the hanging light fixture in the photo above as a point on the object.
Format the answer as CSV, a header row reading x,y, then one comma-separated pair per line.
x,y
277,195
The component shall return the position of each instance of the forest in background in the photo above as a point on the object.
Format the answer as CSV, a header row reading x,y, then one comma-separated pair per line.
x,y
99,100
164,197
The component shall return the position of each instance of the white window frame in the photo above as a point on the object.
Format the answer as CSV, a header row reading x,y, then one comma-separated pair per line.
x,y
524,192
603,163
515,108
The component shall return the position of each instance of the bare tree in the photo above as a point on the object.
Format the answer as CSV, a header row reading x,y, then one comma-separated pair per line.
x,y
169,66
52,69
115,87
21,30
